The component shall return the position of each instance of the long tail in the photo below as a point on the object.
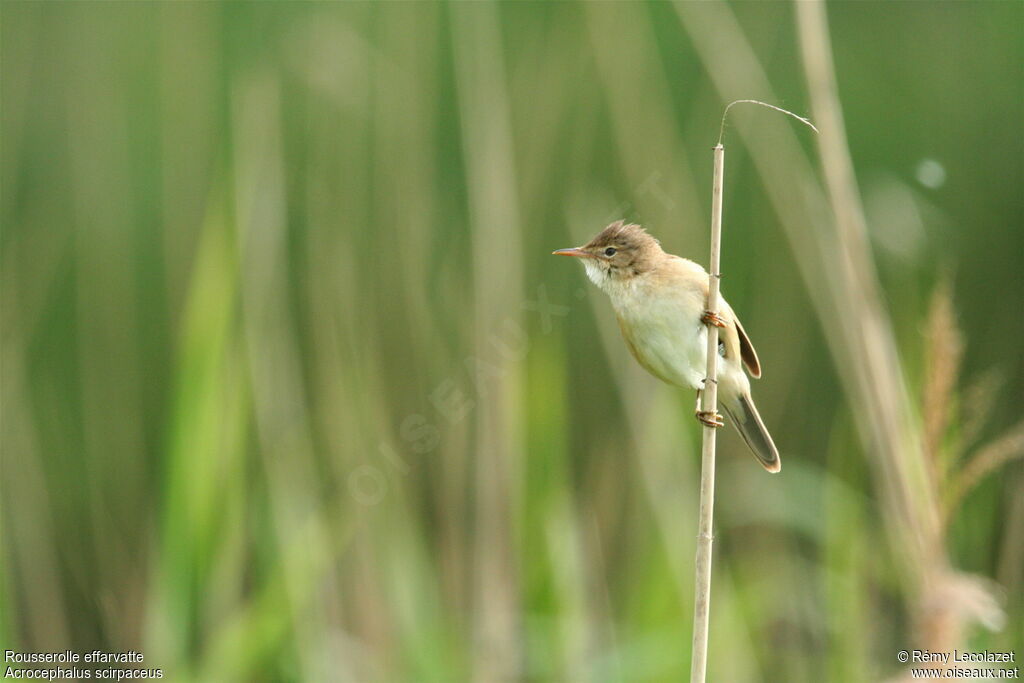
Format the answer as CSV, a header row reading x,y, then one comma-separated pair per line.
x,y
748,422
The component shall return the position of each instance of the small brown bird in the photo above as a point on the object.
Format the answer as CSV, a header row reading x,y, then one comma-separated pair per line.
x,y
659,300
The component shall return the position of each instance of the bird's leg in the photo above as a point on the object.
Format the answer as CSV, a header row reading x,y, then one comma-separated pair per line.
x,y
708,418
712,318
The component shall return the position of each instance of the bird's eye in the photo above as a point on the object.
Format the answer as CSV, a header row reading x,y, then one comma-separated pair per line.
x,y
610,251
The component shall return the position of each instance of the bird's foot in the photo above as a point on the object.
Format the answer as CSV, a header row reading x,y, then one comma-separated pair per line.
x,y
709,418
712,318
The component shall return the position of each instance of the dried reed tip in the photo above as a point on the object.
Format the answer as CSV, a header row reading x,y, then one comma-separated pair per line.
x,y
801,119
979,398
988,459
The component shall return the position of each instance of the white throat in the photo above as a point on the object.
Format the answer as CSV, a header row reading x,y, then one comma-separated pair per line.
x,y
597,273
613,286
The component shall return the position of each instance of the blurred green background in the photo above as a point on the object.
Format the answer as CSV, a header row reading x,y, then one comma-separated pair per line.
x,y
293,391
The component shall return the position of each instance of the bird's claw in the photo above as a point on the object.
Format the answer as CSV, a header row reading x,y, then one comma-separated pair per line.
x,y
712,318
710,418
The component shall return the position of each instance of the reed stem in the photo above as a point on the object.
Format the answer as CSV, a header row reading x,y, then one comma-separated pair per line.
x,y
702,591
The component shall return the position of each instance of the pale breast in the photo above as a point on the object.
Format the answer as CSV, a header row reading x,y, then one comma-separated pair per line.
x,y
662,328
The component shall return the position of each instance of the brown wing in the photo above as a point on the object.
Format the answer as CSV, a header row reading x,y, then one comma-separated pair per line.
x,y
747,352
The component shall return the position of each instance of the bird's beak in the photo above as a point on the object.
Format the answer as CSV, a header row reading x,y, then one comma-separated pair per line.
x,y
574,251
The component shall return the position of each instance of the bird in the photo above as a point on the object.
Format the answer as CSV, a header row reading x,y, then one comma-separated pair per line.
x,y
660,302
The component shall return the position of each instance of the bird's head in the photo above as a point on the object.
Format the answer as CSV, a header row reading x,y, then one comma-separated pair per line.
x,y
616,254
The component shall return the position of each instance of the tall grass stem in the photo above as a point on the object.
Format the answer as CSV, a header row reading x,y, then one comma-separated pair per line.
x,y
702,590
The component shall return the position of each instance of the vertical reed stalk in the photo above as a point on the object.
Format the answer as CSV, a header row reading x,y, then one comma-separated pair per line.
x,y
702,591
